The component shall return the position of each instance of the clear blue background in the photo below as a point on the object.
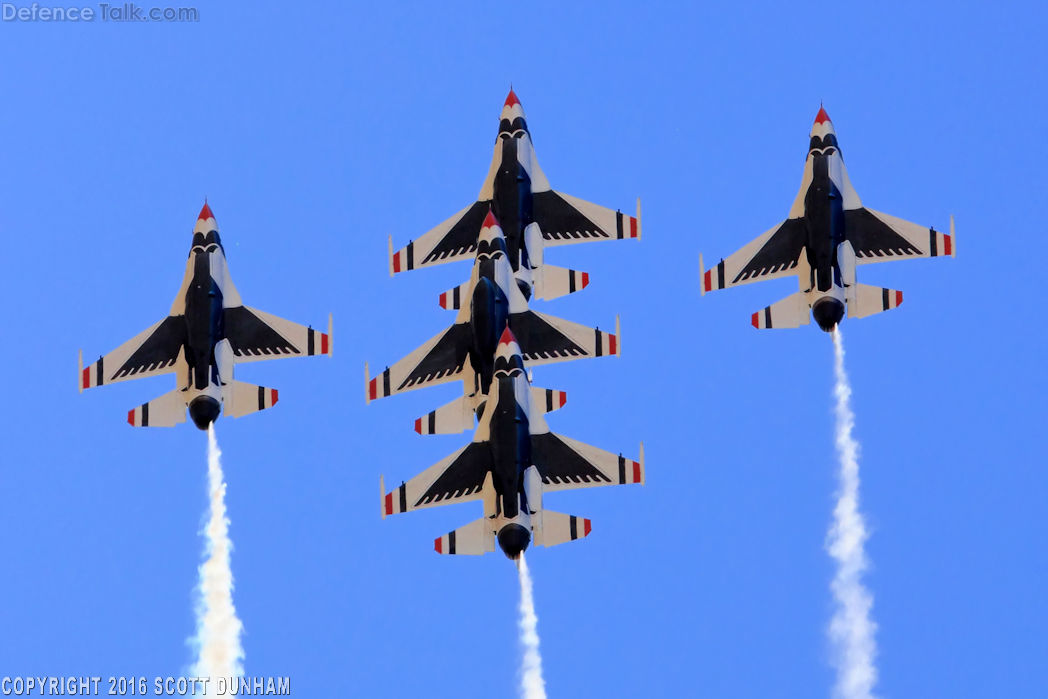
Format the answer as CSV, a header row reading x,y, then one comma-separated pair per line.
x,y
316,132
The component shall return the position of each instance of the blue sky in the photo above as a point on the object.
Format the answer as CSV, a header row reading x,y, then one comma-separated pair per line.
x,y
316,132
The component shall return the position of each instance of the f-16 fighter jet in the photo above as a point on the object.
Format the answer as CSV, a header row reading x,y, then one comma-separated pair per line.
x,y
511,463
486,303
827,234
532,215
207,331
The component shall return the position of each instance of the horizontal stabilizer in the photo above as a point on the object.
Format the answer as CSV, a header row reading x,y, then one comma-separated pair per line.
x,y
791,312
166,411
474,539
548,399
558,528
553,282
245,398
453,418
865,300
452,299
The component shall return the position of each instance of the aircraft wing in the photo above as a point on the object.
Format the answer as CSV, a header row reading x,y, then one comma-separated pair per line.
x,y
454,239
255,335
565,219
544,339
566,464
439,360
152,352
458,478
878,237
773,254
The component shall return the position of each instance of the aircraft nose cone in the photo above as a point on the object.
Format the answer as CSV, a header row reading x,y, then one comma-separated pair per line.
x,y
205,213
828,312
514,540
204,410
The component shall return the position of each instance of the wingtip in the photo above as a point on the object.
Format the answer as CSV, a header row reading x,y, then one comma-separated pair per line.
x,y
331,334
640,227
953,238
643,471
382,495
390,259
618,336
367,384
702,276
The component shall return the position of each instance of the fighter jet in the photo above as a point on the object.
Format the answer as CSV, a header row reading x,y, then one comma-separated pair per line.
x,y
512,461
827,234
207,331
486,303
532,215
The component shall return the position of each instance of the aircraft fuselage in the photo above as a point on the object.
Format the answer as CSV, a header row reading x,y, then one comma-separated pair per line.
x,y
489,313
824,220
204,318
512,198
510,441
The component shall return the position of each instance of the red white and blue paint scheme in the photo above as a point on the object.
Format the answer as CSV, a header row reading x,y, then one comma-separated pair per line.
x,y
205,334
827,234
489,302
512,462
533,216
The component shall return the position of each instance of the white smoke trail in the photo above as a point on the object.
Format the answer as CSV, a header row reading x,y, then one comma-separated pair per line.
x,y
532,686
851,630
218,628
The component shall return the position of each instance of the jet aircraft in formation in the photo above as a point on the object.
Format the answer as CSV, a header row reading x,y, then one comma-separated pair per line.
x,y
514,458
494,341
533,216
486,304
511,463
205,334
827,234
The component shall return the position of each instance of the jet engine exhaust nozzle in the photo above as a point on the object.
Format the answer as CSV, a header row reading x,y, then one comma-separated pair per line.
x,y
828,312
204,410
514,540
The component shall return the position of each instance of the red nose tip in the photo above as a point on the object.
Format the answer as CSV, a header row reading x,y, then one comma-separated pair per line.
x,y
822,117
511,98
489,220
205,213
507,337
